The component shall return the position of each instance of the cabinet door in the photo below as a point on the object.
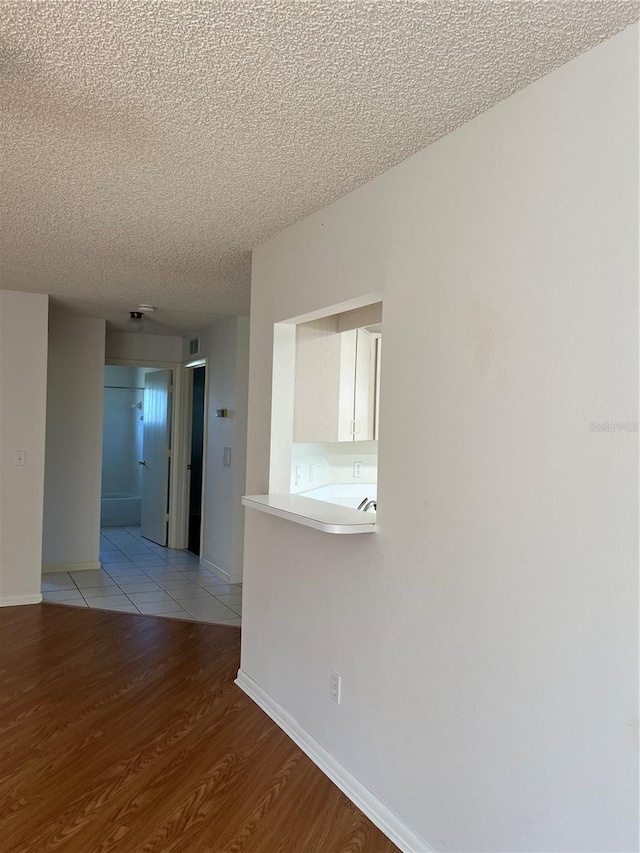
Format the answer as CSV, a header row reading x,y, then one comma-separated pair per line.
x,y
376,387
335,383
346,408
317,381
356,415
364,387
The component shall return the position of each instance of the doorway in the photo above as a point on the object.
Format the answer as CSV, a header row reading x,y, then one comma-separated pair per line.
x,y
136,449
196,458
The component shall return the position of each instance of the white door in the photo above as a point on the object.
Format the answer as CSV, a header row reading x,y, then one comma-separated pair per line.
x,y
155,461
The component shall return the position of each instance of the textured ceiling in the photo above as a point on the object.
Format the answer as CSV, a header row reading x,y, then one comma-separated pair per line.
x,y
149,145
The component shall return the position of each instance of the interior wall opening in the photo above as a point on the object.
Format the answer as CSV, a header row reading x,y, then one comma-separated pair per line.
x,y
325,415
196,458
136,451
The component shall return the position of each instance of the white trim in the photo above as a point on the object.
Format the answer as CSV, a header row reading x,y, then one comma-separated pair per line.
x,y
181,499
215,569
362,797
71,567
185,447
136,362
205,449
178,481
14,600
338,308
222,573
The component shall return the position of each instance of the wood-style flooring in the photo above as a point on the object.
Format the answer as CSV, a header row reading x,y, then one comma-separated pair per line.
x,y
126,733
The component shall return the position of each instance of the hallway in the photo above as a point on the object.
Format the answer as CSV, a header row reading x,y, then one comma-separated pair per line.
x,y
138,576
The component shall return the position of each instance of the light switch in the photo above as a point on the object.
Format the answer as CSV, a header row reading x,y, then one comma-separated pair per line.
x,y
226,457
20,458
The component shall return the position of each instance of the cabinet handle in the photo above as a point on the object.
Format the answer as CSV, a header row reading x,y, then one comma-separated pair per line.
x,y
356,427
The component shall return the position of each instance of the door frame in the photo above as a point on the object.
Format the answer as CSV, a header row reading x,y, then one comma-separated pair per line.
x,y
187,405
177,533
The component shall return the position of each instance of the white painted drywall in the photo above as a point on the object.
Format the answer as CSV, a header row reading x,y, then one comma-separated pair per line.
x,y
23,389
487,635
73,468
240,447
143,348
333,462
226,348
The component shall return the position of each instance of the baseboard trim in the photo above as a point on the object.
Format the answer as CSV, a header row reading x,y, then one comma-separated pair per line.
x,y
368,803
47,568
225,576
15,600
215,569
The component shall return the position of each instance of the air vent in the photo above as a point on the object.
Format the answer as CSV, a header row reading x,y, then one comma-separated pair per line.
x,y
194,346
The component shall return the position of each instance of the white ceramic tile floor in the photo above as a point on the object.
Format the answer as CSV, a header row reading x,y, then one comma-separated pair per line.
x,y
140,577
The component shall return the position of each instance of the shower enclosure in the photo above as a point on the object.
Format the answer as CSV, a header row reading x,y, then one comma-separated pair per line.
x,y
122,446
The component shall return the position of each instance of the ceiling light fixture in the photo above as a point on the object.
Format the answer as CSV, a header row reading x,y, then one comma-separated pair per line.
x,y
135,321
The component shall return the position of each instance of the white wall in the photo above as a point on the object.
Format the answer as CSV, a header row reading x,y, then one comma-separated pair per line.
x,y
240,447
332,463
226,347
23,389
145,349
487,634
73,470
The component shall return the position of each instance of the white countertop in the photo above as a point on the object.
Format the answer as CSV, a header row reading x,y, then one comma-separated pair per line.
x,y
345,494
328,517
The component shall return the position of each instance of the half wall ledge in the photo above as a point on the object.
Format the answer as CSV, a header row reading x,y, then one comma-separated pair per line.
x,y
320,515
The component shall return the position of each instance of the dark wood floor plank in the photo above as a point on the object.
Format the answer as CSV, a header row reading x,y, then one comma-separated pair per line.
x,y
126,734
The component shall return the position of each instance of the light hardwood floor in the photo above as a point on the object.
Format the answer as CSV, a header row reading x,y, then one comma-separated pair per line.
x,y
126,733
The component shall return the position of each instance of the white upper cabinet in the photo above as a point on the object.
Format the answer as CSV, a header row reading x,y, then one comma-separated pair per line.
x,y
336,382
357,386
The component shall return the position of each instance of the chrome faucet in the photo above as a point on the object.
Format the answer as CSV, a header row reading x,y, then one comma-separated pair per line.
x,y
366,504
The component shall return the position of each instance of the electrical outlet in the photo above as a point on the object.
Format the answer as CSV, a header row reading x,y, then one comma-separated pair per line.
x,y
298,479
20,458
226,457
357,469
335,687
